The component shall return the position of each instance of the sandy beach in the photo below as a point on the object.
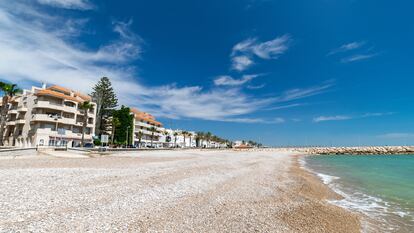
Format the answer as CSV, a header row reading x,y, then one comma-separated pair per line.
x,y
167,191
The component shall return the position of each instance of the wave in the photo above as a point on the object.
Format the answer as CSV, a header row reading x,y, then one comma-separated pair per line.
x,y
382,215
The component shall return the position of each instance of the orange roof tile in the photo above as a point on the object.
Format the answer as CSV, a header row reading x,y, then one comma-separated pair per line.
x,y
59,88
58,95
145,117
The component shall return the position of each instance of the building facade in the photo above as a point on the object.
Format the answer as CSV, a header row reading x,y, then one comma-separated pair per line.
x,y
175,138
48,116
142,124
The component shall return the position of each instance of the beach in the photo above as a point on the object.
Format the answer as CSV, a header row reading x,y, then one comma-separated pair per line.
x,y
167,191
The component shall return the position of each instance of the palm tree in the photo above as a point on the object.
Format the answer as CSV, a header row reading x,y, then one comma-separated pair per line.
x,y
208,138
140,134
184,133
9,91
175,138
190,135
152,130
115,123
85,106
165,133
199,139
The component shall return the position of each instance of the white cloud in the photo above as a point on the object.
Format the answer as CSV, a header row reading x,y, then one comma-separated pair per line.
x,y
357,57
347,117
226,80
331,118
68,4
241,63
285,106
347,47
36,48
300,93
244,52
256,87
277,120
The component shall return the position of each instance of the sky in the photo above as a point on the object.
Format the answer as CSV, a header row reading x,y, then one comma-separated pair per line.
x,y
283,73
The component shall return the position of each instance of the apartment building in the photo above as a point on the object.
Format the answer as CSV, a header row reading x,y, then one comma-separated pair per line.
x,y
48,116
143,122
175,138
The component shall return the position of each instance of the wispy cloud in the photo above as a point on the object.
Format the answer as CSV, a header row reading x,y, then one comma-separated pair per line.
x,y
277,120
358,57
243,53
331,118
256,87
285,106
226,80
300,93
350,117
35,39
241,63
68,4
347,47
359,49
396,135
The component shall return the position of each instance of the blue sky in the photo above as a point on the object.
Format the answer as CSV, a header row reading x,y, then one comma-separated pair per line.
x,y
280,72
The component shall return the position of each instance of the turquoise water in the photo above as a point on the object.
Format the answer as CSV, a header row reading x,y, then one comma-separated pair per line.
x,y
381,187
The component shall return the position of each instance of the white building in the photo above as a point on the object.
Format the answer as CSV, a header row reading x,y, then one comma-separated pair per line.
x,y
143,123
176,138
48,116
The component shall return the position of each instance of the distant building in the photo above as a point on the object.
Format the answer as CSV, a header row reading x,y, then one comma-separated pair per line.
x,y
143,122
48,116
175,138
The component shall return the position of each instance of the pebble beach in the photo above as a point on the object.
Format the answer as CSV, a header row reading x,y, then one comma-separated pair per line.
x,y
167,191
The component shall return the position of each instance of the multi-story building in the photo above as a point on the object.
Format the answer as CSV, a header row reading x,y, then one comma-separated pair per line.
x,y
175,138
143,122
48,116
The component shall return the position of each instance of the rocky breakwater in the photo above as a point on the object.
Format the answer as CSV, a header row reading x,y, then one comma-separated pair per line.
x,y
375,150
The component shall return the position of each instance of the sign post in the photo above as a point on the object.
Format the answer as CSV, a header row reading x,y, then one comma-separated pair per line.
x,y
105,139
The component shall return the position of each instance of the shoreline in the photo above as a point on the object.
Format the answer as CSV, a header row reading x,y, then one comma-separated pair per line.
x,y
319,213
221,191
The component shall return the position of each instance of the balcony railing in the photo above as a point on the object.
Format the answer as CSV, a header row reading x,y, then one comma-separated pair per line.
x,y
67,134
53,118
51,105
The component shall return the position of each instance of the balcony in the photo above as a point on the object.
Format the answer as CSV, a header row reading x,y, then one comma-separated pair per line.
x,y
51,118
147,132
10,123
49,105
144,124
13,111
68,134
22,109
20,121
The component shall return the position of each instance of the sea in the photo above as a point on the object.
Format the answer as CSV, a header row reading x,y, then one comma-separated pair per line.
x,y
380,187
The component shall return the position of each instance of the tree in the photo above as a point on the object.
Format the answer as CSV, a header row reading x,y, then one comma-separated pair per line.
x,y
190,135
140,134
106,101
167,137
175,138
126,122
199,139
184,133
85,106
208,136
9,91
115,123
153,130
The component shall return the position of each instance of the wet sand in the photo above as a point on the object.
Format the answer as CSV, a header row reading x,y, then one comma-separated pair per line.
x,y
167,191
